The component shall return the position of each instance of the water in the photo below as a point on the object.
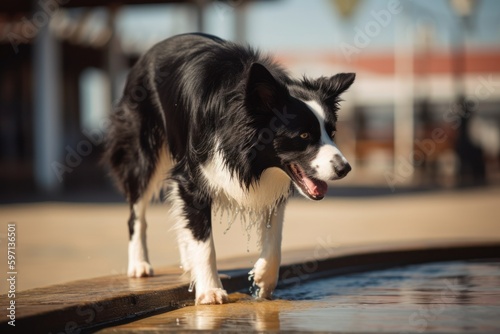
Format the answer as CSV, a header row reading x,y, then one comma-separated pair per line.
x,y
249,217
461,296
230,211
191,286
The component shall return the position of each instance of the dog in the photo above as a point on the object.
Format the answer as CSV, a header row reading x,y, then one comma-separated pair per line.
x,y
221,127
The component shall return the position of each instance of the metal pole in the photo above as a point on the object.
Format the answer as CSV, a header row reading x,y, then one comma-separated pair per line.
x,y
240,23
47,109
403,99
200,12
115,60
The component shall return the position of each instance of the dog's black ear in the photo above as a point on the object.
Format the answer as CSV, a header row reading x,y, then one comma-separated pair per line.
x,y
331,88
339,83
262,89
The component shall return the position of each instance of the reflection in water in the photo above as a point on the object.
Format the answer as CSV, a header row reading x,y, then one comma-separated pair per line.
x,y
438,297
248,314
242,313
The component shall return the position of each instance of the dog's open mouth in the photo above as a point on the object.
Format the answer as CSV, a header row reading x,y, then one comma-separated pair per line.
x,y
314,188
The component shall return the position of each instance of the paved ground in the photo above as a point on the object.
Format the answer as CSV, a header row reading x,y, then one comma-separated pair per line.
x,y
60,242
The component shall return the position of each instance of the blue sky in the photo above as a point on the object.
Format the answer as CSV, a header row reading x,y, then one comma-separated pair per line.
x,y
313,25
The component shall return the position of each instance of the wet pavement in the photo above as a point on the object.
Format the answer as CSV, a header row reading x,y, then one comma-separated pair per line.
x,y
459,296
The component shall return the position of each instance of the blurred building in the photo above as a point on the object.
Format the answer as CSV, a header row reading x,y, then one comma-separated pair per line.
x,y
422,112
63,66
426,88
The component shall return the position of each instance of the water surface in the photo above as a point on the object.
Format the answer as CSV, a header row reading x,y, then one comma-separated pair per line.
x,y
460,296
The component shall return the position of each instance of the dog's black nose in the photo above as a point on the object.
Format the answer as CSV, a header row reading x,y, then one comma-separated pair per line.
x,y
343,170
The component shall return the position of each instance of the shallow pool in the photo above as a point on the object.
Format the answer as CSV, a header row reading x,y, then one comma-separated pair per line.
x,y
459,296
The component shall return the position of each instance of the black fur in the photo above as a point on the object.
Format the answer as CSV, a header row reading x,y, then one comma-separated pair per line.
x,y
191,91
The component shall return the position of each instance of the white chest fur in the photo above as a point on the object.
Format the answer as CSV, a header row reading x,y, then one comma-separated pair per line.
x,y
228,191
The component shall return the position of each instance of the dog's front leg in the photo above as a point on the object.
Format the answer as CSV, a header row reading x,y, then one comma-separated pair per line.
x,y
194,230
266,270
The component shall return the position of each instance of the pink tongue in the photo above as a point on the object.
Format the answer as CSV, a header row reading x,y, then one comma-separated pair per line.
x,y
316,187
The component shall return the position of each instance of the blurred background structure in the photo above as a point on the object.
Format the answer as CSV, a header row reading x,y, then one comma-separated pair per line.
x,y
424,111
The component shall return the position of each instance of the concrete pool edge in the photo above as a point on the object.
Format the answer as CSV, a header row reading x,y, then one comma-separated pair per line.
x,y
98,302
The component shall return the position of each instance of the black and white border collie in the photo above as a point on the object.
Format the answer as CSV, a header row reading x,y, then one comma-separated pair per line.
x,y
224,127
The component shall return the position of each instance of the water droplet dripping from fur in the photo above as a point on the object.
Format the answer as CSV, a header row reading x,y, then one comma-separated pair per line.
x,y
248,216
268,224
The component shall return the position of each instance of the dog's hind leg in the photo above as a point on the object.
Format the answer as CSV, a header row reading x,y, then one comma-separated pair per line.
x,y
266,270
138,260
192,215
137,159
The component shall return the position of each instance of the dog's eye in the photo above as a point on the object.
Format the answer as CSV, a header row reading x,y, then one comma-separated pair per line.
x,y
304,135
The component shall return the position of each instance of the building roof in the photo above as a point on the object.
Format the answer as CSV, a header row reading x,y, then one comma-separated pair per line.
x,y
433,62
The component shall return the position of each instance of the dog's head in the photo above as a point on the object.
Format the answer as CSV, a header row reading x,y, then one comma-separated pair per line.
x,y
296,123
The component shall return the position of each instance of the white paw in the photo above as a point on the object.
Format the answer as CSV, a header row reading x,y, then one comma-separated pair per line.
x,y
140,269
212,296
265,278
